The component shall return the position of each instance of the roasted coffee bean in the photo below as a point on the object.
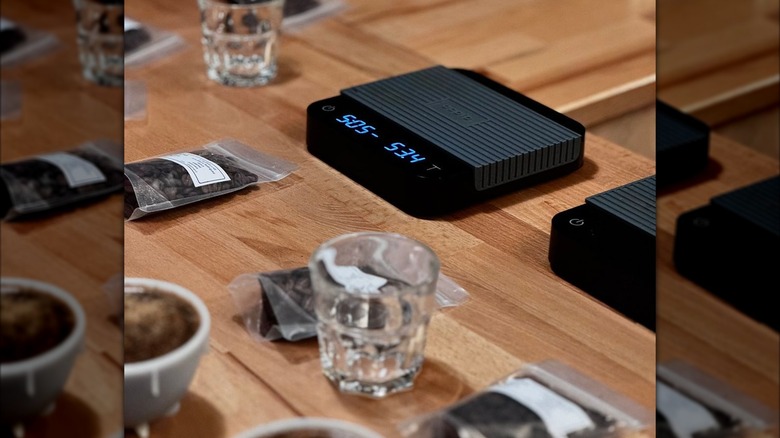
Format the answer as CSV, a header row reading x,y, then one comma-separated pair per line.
x,y
173,182
250,21
228,23
103,24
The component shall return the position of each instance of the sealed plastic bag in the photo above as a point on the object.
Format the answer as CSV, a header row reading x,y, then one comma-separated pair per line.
x,y
144,43
10,100
691,403
280,304
135,100
46,182
544,400
19,43
218,168
298,13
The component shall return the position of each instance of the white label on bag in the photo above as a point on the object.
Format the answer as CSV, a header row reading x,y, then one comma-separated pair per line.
x,y
131,24
6,24
202,171
78,171
560,415
685,416
351,277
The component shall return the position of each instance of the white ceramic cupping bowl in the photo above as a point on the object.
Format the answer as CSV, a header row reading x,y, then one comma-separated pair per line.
x,y
154,387
336,428
30,386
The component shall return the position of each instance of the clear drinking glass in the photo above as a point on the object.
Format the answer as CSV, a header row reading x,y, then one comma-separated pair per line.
x,y
374,296
100,37
240,40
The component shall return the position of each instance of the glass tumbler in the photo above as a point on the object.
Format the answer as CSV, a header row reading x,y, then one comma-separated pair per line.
x,y
374,296
240,40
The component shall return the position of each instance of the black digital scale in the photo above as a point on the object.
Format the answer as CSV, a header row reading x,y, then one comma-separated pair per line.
x,y
438,139
681,146
606,247
731,247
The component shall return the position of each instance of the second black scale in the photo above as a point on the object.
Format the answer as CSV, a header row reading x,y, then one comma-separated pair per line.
x,y
438,139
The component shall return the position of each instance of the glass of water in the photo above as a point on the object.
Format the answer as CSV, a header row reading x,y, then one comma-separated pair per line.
x,y
374,296
100,37
240,40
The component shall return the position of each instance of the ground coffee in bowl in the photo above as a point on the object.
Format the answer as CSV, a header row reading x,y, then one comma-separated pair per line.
x,y
156,323
31,323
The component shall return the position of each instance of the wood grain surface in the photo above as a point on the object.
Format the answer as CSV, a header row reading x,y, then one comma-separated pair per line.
x,y
518,312
718,60
80,249
594,62
693,325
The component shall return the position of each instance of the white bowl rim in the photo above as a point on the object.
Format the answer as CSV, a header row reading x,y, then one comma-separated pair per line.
x,y
304,423
76,336
173,357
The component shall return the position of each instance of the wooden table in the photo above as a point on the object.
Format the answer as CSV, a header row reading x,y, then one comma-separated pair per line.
x,y
519,311
693,325
79,250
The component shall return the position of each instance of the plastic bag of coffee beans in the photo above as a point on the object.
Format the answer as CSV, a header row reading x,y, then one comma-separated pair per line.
x,y
276,305
279,305
43,183
144,43
19,43
692,403
168,181
135,100
543,400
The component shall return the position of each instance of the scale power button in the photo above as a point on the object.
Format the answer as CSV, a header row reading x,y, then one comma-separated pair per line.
x,y
577,222
328,108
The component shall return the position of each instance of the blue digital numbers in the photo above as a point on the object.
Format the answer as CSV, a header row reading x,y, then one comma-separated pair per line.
x,y
399,149
356,124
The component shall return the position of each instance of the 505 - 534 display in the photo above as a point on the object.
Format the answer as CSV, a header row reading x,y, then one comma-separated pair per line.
x,y
436,140
399,149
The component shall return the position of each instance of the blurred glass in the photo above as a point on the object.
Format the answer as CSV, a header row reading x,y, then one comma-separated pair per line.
x,y
100,25
240,40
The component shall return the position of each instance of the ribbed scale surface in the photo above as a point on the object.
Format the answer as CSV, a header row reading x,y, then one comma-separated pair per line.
x,y
758,203
633,203
673,132
503,140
